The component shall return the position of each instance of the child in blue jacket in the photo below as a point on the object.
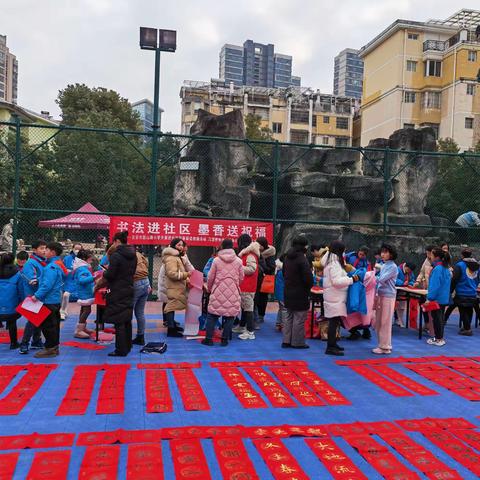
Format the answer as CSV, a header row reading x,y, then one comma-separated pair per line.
x,y
439,291
84,284
11,295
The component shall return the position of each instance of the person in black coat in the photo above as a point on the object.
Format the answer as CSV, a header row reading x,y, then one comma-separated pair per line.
x,y
298,283
266,264
119,308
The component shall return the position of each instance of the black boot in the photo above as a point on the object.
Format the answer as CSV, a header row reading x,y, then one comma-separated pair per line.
x,y
338,347
173,332
12,332
334,351
139,340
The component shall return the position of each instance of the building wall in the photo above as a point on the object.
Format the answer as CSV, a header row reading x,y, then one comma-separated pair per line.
x,y
8,73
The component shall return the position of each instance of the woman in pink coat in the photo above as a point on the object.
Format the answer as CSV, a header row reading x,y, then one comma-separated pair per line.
x,y
223,283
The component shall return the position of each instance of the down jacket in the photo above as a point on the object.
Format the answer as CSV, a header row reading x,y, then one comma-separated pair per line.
x,y
223,282
335,287
84,281
175,285
298,280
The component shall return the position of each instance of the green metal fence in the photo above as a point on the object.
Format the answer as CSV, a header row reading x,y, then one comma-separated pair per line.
x,y
362,195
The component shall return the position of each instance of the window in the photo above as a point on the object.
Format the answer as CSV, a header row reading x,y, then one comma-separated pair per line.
x,y
299,136
342,123
472,56
410,97
408,125
469,122
298,116
431,99
411,66
325,140
433,68
470,89
413,36
277,127
341,141
326,119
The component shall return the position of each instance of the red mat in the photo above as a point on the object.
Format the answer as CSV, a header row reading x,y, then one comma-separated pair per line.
x,y
189,460
335,459
233,458
5,337
145,462
7,374
16,400
51,465
241,388
157,392
276,395
8,464
111,398
279,460
190,390
100,462
297,388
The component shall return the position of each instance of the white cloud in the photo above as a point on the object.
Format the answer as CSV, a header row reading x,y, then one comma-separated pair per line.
x,y
96,41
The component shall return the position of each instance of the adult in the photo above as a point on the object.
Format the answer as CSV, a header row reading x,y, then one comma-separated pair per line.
x,y
335,288
119,299
69,289
439,292
465,283
267,262
141,290
249,253
223,283
175,284
298,280
385,300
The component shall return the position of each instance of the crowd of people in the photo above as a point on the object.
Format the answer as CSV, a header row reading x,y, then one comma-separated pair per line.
x,y
358,292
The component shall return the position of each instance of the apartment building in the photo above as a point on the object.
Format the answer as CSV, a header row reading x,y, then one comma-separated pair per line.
x,y
348,74
8,73
420,74
297,115
145,109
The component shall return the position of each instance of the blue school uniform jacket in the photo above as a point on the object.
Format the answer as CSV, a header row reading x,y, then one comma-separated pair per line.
x,y
11,290
439,285
353,260
32,270
70,285
84,282
404,280
51,284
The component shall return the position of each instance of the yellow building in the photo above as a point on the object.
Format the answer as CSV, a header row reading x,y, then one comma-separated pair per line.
x,y
420,74
294,114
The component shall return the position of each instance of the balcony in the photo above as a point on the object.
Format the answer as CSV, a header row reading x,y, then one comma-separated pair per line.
x,y
434,45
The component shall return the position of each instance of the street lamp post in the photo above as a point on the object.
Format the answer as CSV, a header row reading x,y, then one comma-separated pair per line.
x,y
166,41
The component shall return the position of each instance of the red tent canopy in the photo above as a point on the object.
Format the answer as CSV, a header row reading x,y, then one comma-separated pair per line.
x,y
87,218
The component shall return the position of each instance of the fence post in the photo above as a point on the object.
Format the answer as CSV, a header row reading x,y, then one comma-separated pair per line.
x,y
386,190
276,158
16,192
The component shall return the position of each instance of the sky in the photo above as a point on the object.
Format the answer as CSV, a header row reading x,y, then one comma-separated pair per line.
x,y
96,42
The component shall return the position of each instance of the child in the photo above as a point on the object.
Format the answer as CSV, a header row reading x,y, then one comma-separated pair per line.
x,y
22,258
439,291
280,293
50,293
31,274
11,294
405,278
84,283
385,301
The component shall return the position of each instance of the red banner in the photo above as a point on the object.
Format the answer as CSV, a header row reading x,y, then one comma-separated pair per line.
x,y
197,232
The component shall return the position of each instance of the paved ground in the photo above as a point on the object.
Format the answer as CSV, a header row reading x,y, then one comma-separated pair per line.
x,y
368,403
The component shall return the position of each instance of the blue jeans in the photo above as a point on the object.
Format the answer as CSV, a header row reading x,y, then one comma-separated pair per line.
x,y
140,296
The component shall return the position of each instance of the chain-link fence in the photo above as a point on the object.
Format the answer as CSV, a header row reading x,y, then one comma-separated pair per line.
x,y
408,195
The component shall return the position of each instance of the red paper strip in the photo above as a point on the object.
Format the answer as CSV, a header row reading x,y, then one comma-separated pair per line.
x,y
77,398
260,363
157,392
15,442
111,398
471,437
405,381
51,440
7,374
52,465
276,395
342,429
233,458
335,459
182,365
296,387
140,436
242,389
145,462
25,390
279,460
321,387
100,462
84,346
190,390
382,382
455,448
8,464
189,460
98,438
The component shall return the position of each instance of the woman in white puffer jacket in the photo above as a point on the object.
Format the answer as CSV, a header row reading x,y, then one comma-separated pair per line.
x,y
335,289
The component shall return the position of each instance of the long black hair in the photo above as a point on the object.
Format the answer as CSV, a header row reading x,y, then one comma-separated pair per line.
x,y
6,259
244,240
442,255
338,248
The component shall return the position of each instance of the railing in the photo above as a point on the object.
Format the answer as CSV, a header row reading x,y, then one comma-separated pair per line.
x,y
435,45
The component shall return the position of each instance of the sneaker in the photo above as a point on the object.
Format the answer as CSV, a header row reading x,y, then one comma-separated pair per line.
x,y
37,345
23,349
439,343
381,351
431,341
246,335
238,329
466,333
47,353
63,316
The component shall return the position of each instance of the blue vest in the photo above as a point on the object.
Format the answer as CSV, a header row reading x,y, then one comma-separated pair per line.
x,y
467,285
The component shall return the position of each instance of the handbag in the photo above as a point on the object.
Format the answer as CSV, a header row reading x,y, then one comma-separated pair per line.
x,y
268,284
431,306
